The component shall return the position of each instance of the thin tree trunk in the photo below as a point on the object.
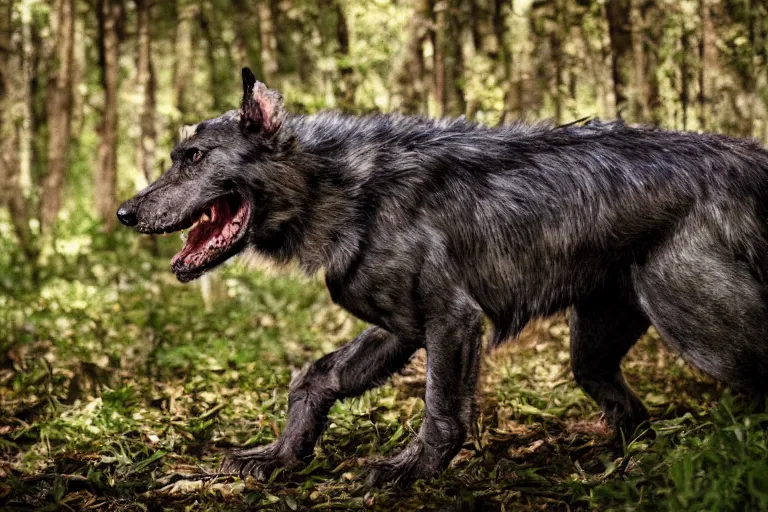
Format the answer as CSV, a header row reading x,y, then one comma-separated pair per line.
x,y
183,55
25,136
441,30
105,180
268,42
346,86
704,49
620,30
651,33
248,47
556,47
685,71
59,115
504,56
145,78
457,24
217,87
14,88
411,76
449,62
638,49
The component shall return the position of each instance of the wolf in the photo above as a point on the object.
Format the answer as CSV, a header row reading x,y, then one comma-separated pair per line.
x,y
424,228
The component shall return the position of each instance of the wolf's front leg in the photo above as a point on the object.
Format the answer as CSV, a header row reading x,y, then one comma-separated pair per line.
x,y
356,367
453,353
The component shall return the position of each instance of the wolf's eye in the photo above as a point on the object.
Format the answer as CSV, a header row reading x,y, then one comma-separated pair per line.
x,y
194,155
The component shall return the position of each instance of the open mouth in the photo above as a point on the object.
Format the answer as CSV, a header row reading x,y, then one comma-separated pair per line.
x,y
213,238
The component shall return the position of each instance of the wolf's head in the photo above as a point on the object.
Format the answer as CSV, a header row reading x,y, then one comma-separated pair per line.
x,y
227,183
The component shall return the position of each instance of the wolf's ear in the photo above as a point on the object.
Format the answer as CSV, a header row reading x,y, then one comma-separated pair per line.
x,y
262,108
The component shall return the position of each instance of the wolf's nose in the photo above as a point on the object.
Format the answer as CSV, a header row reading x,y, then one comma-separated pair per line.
x,y
126,216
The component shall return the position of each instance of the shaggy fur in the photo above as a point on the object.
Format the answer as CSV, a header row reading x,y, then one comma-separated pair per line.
x,y
423,227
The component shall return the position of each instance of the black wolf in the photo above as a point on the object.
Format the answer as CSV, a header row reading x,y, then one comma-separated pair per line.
x,y
423,227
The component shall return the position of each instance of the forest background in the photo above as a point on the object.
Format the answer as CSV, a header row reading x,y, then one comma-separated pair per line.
x,y
116,381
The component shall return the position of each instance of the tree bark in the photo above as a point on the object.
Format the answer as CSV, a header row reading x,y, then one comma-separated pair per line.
x,y
111,16
183,55
504,58
411,77
556,47
13,90
247,47
622,59
685,72
59,108
651,33
449,62
145,78
345,90
217,87
268,42
439,10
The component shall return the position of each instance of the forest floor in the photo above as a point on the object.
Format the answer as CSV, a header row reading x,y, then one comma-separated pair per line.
x,y
119,390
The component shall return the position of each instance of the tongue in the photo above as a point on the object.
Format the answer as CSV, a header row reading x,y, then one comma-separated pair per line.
x,y
206,239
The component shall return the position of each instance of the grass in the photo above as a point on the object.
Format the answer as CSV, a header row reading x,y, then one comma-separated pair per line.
x,y
119,388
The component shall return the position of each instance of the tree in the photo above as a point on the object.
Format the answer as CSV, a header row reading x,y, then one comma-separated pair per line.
x,y
111,19
183,53
449,62
345,90
59,109
622,57
267,9
505,61
13,123
145,81
649,32
411,76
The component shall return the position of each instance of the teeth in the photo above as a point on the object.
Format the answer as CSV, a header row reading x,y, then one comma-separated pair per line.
x,y
205,217
184,235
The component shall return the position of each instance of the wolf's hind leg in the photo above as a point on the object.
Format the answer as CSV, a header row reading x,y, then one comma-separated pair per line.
x,y
453,339
356,367
711,307
603,329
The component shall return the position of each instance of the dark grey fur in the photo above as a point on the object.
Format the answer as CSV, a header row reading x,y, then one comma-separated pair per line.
x,y
424,227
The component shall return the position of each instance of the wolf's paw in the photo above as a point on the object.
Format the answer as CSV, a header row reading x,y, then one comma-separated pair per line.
x,y
413,463
257,462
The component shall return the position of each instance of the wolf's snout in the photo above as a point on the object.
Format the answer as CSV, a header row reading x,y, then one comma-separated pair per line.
x,y
127,215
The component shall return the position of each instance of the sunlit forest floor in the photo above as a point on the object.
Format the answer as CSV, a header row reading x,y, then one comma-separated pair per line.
x,y
119,390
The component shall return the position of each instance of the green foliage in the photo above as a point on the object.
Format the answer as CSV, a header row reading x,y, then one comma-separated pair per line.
x,y
118,385
120,388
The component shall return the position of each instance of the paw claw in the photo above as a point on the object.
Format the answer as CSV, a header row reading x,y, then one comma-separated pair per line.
x,y
411,464
258,463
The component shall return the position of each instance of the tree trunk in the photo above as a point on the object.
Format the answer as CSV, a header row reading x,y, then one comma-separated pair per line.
x,y
268,42
651,32
685,71
449,62
14,89
345,90
504,58
210,35
247,47
620,31
59,99
556,47
704,50
27,73
145,78
441,30
411,77
457,23
183,56
105,182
